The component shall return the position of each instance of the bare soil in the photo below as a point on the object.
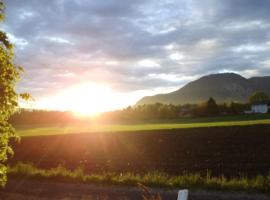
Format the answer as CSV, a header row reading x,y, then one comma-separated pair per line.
x,y
232,151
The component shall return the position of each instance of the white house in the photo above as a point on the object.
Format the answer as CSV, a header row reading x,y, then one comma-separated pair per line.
x,y
260,108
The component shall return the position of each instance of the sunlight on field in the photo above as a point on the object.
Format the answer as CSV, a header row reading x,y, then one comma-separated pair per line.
x,y
76,129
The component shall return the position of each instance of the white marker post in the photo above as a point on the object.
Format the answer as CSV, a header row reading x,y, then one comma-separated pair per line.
x,y
182,195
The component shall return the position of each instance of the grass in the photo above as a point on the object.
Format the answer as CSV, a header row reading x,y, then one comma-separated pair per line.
x,y
156,179
244,120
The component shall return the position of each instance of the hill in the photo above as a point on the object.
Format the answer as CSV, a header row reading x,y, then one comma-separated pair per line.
x,y
223,87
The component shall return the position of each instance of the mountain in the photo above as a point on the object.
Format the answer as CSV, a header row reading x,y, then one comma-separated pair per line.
x,y
223,87
261,83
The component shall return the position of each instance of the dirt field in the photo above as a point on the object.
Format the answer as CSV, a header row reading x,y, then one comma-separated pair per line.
x,y
222,150
44,190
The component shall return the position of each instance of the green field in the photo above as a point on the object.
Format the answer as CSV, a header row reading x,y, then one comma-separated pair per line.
x,y
244,120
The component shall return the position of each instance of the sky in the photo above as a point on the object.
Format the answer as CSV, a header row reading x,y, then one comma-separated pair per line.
x,y
91,56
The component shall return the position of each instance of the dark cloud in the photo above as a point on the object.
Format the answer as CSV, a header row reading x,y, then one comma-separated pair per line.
x,y
62,42
246,10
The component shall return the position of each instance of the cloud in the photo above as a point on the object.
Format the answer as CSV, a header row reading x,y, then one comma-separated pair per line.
x,y
136,45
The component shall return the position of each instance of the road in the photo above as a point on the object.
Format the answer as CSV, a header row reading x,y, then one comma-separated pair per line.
x,y
45,190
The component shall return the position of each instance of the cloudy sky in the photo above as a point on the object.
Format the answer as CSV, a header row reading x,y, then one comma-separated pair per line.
x,y
113,52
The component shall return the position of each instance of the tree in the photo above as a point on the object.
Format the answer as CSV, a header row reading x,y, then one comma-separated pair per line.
x,y
9,76
258,97
237,108
212,107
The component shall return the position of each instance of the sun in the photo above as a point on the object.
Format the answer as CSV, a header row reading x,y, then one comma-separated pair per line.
x,y
86,99
89,99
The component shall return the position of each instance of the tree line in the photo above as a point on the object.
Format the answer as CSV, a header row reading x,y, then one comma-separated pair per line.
x,y
38,117
156,111
160,111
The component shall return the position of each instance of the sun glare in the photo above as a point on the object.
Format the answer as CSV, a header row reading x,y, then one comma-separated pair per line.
x,y
86,99
89,99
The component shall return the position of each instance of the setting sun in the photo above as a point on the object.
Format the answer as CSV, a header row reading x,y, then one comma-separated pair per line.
x,y
85,99
89,99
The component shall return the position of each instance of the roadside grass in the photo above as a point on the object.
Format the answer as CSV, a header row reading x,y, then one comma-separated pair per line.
x,y
153,179
225,121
